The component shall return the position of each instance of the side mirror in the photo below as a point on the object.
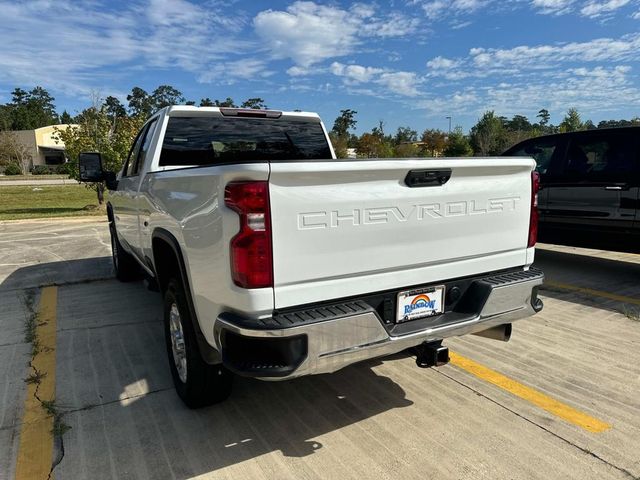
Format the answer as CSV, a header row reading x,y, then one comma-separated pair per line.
x,y
90,166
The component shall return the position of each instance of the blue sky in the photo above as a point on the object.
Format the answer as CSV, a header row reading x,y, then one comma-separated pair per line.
x,y
406,62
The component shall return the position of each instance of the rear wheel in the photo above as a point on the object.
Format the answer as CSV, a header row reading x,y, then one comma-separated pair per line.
x,y
124,264
197,383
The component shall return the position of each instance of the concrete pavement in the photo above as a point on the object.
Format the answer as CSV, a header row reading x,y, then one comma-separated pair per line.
x,y
378,419
36,182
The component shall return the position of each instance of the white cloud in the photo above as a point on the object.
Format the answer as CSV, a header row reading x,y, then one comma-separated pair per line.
x,y
355,73
589,8
595,9
442,63
232,71
594,76
436,9
399,83
75,47
439,9
593,90
527,61
309,33
553,7
544,56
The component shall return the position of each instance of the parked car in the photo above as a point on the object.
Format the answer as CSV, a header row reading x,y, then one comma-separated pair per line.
x,y
276,260
589,187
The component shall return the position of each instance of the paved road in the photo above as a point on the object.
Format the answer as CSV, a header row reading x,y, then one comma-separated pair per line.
x,y
379,419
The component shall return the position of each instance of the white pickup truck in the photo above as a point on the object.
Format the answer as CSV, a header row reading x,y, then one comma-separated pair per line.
x,y
277,260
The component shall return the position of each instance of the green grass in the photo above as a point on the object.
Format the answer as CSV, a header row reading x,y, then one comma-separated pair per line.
x,y
17,202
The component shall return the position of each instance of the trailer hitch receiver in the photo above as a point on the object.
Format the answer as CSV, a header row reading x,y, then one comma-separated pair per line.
x,y
431,354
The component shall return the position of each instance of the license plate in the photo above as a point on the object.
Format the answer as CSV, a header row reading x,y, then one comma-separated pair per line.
x,y
423,302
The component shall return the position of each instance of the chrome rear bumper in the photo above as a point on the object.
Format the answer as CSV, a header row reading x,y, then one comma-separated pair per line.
x,y
335,343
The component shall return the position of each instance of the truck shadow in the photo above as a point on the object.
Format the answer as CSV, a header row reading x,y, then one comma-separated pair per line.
x,y
617,277
114,387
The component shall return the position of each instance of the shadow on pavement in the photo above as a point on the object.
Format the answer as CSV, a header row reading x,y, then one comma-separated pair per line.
x,y
59,273
114,386
616,277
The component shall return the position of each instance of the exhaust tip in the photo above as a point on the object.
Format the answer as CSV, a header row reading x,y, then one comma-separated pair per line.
x,y
500,332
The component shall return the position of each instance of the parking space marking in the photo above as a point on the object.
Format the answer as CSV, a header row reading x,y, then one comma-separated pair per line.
x,y
539,399
35,450
592,292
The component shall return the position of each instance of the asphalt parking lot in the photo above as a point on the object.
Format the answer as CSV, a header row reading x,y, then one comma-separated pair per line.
x,y
560,400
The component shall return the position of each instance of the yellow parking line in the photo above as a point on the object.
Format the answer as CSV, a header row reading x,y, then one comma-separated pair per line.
x,y
539,399
36,439
592,292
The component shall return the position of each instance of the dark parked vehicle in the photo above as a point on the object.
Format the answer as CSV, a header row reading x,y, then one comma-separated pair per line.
x,y
589,187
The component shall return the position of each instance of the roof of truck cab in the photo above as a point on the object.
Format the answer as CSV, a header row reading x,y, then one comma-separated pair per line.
x,y
182,110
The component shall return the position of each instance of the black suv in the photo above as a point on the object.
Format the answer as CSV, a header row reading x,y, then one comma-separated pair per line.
x,y
590,183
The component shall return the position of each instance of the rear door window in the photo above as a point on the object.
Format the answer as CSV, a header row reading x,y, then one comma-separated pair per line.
x,y
542,152
222,140
602,156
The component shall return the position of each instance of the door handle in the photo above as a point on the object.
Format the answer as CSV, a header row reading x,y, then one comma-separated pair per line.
x,y
615,187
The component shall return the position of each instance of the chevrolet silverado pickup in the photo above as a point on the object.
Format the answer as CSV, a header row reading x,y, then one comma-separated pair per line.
x,y
276,260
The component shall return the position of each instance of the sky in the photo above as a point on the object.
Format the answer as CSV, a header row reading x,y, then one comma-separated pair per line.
x,y
405,62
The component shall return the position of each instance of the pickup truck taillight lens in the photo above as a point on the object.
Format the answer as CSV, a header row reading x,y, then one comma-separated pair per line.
x,y
533,222
251,251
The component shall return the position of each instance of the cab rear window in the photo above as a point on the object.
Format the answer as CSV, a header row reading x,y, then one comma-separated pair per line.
x,y
214,140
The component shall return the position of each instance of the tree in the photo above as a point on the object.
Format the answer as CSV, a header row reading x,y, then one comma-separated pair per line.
x,y
28,110
254,103
544,117
405,150
13,151
519,123
369,145
340,137
165,96
345,122
618,123
114,108
66,117
571,122
405,135
340,145
488,135
433,142
225,103
140,103
457,144
206,102
95,132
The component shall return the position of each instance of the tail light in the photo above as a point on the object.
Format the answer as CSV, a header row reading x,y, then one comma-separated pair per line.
x,y
251,250
533,219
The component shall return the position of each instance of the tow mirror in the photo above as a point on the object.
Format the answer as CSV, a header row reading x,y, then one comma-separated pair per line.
x,y
90,166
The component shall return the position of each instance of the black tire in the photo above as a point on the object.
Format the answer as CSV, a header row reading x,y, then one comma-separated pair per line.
x,y
124,264
202,384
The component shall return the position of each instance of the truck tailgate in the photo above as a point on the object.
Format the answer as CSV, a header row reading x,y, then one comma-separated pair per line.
x,y
344,228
